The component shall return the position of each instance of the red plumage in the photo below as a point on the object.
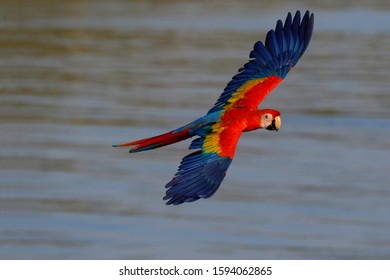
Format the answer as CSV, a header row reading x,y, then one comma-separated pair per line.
x,y
156,141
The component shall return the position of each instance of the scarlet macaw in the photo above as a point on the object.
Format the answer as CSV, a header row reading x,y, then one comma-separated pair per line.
x,y
201,173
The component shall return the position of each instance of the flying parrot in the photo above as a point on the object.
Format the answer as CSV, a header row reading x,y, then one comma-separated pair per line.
x,y
201,172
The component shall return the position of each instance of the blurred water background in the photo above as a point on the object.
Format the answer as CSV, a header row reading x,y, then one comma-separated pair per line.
x,y
78,76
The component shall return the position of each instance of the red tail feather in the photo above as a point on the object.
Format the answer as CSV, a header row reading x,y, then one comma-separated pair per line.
x,y
156,141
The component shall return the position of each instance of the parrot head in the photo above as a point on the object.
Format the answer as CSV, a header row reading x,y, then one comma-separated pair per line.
x,y
270,120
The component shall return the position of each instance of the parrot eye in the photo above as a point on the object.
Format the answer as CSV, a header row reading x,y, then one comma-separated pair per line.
x,y
266,116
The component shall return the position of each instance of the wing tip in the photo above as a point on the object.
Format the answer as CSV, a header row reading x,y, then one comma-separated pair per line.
x,y
276,56
199,176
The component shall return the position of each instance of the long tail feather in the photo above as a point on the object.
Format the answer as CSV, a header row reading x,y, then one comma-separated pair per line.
x,y
157,141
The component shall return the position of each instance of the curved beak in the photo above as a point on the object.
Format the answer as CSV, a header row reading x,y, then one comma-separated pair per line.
x,y
275,125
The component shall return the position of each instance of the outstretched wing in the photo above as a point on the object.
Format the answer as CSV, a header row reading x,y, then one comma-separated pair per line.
x,y
201,172
269,63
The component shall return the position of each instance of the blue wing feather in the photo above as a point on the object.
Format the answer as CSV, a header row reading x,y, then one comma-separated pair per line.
x,y
282,49
197,143
199,176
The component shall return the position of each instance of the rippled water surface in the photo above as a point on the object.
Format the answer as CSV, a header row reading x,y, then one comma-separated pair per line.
x,y
77,76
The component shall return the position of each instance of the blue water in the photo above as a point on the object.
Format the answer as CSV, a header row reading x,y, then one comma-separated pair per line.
x,y
77,77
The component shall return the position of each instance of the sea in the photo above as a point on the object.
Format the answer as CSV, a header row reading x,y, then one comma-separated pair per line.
x,y
79,76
